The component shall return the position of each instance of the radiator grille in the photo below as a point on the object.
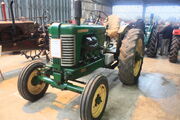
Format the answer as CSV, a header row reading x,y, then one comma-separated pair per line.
x,y
68,50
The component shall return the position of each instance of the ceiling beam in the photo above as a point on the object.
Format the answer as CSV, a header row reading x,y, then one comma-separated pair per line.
x,y
147,2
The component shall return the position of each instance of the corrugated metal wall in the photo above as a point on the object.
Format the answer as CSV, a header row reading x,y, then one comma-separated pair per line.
x,y
59,10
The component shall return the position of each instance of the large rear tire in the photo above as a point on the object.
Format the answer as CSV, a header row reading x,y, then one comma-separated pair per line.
x,y
175,46
152,46
131,57
30,88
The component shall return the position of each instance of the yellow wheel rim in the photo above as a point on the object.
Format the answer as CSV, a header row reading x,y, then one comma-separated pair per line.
x,y
34,89
138,61
137,67
99,101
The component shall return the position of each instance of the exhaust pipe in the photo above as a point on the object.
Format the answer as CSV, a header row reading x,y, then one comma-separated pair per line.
x,y
78,11
12,15
151,18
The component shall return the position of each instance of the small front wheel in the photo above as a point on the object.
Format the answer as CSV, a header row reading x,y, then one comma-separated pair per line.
x,y
29,87
94,99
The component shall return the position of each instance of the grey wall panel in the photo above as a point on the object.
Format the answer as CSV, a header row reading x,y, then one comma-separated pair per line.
x,y
88,6
59,10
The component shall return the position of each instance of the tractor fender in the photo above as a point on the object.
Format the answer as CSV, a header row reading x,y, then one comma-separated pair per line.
x,y
122,28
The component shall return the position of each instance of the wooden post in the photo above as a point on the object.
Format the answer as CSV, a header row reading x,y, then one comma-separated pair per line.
x,y
1,75
0,50
0,69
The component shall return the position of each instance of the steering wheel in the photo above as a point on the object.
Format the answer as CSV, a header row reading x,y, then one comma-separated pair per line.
x,y
46,16
96,17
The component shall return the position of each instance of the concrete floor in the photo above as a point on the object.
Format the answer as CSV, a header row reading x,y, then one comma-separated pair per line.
x,y
156,97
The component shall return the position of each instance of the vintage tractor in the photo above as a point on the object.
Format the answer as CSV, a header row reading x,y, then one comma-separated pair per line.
x,y
77,50
21,35
150,29
175,46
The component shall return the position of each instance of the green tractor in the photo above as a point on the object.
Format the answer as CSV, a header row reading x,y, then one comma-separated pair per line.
x,y
77,50
151,38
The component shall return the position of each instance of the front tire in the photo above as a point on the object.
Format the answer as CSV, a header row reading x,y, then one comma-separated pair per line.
x,y
175,46
131,57
94,99
30,88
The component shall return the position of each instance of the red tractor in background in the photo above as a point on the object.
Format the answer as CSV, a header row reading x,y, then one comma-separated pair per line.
x,y
160,45
22,35
175,46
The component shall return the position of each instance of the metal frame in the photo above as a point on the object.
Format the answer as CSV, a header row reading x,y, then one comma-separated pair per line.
x,y
60,10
